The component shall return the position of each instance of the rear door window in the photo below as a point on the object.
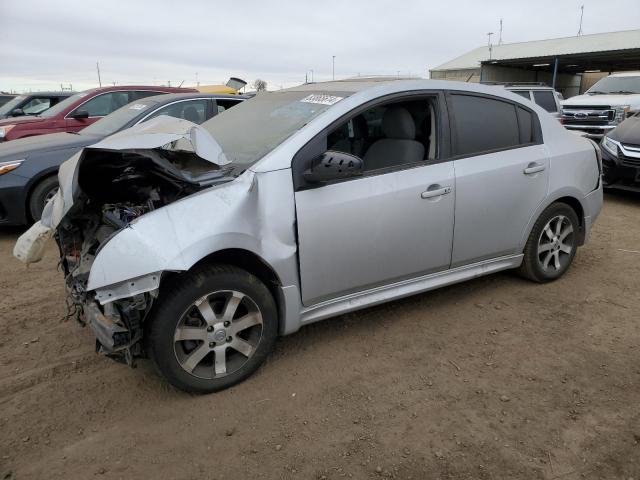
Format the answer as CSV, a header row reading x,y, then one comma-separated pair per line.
x,y
546,99
483,124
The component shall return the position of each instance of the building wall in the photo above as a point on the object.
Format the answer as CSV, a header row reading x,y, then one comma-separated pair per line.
x,y
567,84
467,75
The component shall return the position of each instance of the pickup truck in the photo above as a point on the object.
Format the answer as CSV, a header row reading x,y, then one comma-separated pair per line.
x,y
79,111
601,108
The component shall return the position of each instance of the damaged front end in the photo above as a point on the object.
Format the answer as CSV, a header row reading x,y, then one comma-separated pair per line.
x,y
105,190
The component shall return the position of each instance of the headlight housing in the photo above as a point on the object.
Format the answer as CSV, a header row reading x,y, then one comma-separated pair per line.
x,y
4,130
6,167
621,112
610,146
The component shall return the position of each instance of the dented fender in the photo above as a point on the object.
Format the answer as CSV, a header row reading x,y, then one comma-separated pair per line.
x,y
254,212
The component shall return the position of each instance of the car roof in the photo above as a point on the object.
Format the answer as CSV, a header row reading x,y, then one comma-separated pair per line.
x,y
48,94
139,87
169,97
527,87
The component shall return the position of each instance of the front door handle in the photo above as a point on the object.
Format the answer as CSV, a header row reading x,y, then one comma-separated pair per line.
x,y
533,168
436,192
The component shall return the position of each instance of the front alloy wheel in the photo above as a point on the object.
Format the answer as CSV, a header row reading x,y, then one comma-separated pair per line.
x,y
218,334
211,328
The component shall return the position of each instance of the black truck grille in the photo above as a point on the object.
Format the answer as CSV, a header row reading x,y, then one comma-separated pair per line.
x,y
595,116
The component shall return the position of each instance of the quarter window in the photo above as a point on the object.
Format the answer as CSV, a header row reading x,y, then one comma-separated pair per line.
x,y
522,93
105,104
483,124
546,99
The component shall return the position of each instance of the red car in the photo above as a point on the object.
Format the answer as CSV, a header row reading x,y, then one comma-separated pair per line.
x,y
79,111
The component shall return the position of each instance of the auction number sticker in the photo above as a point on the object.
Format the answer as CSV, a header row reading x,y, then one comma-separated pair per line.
x,y
321,99
138,106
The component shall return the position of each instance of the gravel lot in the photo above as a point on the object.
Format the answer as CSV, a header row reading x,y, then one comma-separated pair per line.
x,y
495,378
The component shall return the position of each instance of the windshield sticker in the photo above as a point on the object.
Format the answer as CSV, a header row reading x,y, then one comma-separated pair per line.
x,y
321,99
138,106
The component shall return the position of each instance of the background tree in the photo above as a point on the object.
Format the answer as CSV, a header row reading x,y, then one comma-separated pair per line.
x,y
260,85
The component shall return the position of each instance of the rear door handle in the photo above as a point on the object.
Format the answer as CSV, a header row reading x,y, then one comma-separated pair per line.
x,y
436,192
533,168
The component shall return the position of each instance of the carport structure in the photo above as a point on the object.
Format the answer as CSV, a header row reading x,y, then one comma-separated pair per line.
x,y
559,62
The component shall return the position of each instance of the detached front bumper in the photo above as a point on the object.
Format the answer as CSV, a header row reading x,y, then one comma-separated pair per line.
x,y
621,173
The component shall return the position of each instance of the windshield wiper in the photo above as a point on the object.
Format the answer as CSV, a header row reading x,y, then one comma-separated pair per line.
x,y
624,92
596,92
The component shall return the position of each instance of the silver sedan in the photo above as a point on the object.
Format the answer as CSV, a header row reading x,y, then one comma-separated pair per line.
x,y
198,245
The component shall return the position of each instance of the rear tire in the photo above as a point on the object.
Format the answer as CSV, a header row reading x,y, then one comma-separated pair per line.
x,y
211,328
40,195
552,244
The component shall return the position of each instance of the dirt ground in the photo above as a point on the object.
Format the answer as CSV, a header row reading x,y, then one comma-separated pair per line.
x,y
495,378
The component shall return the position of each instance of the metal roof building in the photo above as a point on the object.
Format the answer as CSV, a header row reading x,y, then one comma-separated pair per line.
x,y
557,62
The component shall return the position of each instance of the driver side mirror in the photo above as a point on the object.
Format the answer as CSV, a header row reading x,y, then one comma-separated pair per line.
x,y
79,114
333,165
17,112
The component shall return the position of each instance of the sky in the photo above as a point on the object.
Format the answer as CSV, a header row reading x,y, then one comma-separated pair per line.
x,y
46,43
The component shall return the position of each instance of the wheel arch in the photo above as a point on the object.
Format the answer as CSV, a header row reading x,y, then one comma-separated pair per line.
x,y
246,260
570,198
31,186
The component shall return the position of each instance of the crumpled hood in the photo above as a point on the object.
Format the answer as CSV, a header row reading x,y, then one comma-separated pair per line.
x,y
168,133
608,100
164,132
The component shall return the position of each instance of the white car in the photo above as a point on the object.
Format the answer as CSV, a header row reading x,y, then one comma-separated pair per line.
x,y
601,108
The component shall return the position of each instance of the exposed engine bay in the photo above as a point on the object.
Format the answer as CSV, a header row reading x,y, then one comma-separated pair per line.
x,y
114,189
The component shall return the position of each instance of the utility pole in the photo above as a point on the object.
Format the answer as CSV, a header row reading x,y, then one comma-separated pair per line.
x,y
333,67
312,75
500,39
98,68
581,15
197,81
489,43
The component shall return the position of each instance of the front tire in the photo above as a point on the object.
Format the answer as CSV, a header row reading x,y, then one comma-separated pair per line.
x,y
41,194
211,328
552,244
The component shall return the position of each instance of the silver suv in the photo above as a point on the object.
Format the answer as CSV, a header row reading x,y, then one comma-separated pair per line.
x,y
198,245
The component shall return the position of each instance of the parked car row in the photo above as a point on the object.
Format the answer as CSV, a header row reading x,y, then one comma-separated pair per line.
x,y
197,245
610,113
31,104
29,179
77,111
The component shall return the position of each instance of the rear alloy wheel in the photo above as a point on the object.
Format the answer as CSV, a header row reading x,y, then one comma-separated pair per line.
x,y
211,328
552,244
41,194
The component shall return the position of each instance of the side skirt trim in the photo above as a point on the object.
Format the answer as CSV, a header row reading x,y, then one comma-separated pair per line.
x,y
405,288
